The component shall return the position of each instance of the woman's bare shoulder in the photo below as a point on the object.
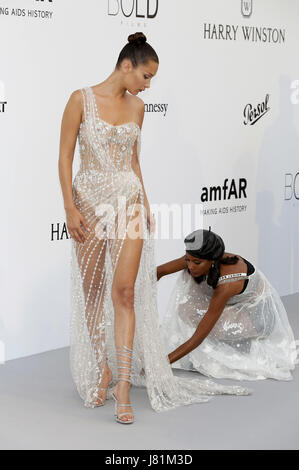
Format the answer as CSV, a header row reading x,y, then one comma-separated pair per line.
x,y
231,288
73,107
137,102
139,108
239,267
75,99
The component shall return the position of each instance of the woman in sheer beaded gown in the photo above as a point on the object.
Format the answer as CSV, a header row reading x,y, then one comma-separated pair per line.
x,y
231,325
114,327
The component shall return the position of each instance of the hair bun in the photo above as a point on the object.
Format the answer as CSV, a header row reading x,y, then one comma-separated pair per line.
x,y
137,39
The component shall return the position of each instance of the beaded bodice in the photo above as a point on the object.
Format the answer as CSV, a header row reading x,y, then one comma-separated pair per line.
x,y
104,147
232,277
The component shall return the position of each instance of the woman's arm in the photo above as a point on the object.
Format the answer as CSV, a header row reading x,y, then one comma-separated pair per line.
x,y
137,170
68,135
171,267
217,304
135,161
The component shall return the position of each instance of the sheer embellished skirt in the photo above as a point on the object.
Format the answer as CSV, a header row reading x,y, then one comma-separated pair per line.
x,y
109,202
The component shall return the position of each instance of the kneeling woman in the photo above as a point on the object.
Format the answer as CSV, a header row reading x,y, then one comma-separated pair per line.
x,y
224,318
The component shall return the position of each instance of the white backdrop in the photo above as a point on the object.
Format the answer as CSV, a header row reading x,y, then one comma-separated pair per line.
x,y
208,75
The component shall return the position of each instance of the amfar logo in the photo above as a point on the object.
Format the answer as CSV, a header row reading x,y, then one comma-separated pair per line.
x,y
127,7
252,115
219,193
246,7
291,186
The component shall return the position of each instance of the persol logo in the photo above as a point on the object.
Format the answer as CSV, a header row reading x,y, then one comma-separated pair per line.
x,y
129,8
253,114
246,8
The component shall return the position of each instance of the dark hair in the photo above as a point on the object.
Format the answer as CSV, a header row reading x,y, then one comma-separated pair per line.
x,y
137,50
214,272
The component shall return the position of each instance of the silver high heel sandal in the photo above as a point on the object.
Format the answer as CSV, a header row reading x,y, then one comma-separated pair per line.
x,y
126,353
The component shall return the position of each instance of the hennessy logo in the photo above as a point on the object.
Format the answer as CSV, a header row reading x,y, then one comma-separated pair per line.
x,y
246,7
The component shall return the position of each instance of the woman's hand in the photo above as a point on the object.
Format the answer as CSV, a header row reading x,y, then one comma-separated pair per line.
x,y
74,221
151,221
216,307
151,224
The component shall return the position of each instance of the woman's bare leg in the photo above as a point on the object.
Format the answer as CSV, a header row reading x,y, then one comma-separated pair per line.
x,y
123,302
91,259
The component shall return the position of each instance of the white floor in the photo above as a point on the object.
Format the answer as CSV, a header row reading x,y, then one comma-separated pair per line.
x,y
40,409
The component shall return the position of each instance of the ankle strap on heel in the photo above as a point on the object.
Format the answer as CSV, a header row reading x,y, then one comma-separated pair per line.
x,y
125,353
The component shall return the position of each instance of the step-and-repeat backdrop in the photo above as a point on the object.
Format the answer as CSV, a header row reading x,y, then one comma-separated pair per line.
x,y
220,139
